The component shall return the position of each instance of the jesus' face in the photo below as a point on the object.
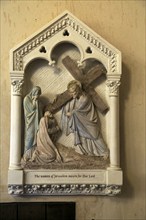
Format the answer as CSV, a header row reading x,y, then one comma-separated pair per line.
x,y
74,91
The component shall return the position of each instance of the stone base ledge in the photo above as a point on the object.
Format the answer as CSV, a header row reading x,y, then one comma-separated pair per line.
x,y
67,182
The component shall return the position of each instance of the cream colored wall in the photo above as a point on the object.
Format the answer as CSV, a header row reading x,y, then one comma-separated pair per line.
x,y
122,23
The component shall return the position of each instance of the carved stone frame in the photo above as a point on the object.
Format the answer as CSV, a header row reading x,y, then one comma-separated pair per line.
x,y
107,182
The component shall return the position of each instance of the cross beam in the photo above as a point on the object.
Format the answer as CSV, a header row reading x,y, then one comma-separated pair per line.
x,y
86,81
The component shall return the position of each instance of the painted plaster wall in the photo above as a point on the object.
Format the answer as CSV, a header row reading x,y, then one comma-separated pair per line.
x,y
122,23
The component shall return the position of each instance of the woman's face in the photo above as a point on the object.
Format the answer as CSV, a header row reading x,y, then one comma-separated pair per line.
x,y
48,114
36,95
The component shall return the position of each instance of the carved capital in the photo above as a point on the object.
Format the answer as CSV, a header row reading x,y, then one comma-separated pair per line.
x,y
113,87
17,86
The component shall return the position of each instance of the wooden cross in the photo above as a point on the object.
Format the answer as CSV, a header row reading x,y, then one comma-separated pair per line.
x,y
86,80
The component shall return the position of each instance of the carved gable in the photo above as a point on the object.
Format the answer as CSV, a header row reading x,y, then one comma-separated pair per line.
x,y
66,28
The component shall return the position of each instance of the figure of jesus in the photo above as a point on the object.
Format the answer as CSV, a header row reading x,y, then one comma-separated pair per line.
x,y
79,116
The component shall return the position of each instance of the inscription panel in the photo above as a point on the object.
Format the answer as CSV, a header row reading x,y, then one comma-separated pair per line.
x,y
65,177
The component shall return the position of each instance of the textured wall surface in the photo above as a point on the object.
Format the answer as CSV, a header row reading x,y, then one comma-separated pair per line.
x,y
122,23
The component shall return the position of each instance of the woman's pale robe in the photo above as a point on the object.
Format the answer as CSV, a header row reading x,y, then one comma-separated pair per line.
x,y
32,113
45,151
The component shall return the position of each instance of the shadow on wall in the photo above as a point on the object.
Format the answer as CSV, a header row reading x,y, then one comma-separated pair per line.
x,y
127,190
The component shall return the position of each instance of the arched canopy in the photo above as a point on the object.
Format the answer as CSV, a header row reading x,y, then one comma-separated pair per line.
x,y
65,28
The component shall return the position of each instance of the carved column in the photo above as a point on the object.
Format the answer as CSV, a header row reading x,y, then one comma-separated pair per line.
x,y
16,108
113,85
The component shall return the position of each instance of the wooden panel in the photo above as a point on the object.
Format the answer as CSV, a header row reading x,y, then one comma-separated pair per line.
x,y
8,211
31,211
37,211
61,211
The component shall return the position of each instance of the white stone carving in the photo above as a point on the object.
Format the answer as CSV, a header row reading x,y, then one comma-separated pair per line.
x,y
65,28
63,189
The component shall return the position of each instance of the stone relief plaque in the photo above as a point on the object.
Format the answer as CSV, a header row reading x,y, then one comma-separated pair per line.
x,y
64,112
